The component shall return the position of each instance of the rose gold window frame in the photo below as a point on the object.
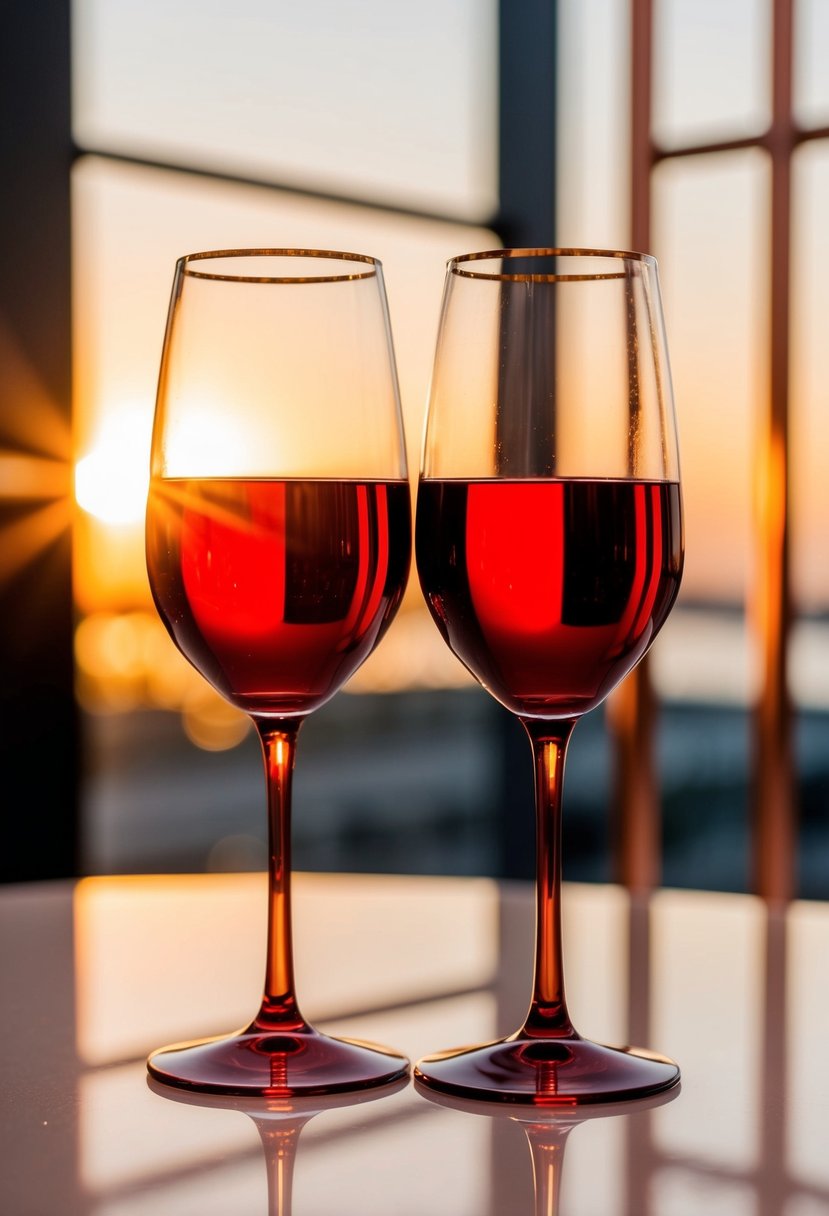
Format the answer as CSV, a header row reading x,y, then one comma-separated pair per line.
x,y
773,800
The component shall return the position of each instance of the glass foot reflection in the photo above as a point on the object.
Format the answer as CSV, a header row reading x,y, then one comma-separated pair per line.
x,y
279,1122
546,1130
288,1064
547,1072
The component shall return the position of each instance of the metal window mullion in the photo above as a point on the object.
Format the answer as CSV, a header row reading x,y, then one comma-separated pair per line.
x,y
773,769
773,775
632,712
527,49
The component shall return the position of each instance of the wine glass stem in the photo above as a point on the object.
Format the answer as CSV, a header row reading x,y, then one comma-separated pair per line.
x,y
279,1010
548,1015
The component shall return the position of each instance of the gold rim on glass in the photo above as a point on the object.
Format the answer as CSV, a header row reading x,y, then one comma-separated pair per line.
x,y
457,266
184,265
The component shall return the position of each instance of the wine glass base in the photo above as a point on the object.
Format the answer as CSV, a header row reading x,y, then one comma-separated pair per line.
x,y
547,1072
270,1064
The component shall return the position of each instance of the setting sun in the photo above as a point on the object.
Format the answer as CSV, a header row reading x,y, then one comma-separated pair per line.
x,y
111,481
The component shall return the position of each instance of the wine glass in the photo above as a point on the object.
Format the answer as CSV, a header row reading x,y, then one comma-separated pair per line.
x,y
549,544
278,546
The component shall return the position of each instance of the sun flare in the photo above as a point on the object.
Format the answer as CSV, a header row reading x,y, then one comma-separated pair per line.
x,y
112,479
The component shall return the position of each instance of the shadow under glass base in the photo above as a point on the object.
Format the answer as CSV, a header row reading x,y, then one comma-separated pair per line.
x,y
287,1064
547,1072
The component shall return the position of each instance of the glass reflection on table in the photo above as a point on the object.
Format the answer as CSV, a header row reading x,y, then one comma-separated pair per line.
x,y
90,972
279,1122
546,1131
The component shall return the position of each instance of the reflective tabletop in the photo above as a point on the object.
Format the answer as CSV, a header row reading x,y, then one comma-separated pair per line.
x,y
95,974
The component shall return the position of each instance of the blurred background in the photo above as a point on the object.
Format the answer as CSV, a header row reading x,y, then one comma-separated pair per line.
x,y
132,134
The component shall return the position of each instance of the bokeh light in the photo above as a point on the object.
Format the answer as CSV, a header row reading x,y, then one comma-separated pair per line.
x,y
126,661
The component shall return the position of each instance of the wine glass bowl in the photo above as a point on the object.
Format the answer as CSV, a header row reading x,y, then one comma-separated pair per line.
x,y
274,589
549,544
278,542
541,597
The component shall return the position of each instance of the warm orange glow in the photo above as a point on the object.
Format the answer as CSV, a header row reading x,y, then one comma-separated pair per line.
x,y
126,661
119,659
25,539
211,723
34,467
129,931
110,945
770,489
207,437
109,569
111,481
38,423
28,477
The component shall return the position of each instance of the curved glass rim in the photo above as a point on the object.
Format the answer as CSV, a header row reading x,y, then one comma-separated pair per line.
x,y
183,265
456,265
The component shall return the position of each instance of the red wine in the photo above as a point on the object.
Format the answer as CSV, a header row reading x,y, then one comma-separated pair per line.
x,y
549,591
277,590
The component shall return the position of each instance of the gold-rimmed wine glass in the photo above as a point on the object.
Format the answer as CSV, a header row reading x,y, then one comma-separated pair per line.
x,y
278,546
549,545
